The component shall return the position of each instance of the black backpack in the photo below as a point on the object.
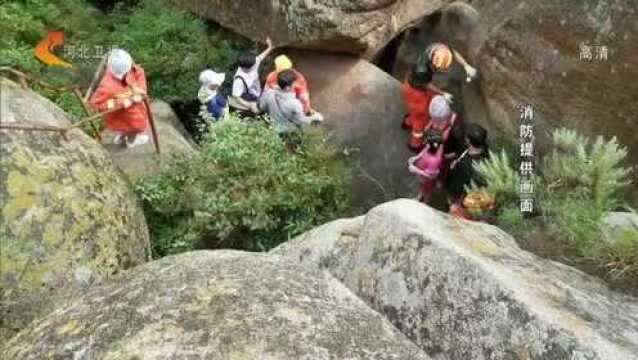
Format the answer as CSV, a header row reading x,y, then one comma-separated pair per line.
x,y
226,89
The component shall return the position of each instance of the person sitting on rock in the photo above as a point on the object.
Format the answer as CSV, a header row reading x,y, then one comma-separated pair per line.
x,y
300,87
283,107
214,103
427,165
462,172
439,57
246,83
417,98
123,85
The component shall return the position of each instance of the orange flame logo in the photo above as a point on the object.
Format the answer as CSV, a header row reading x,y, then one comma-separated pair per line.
x,y
44,48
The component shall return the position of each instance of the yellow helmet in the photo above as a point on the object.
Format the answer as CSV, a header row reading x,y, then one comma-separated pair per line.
x,y
441,57
282,62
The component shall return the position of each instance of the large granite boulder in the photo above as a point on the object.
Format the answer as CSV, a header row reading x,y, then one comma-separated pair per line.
x,y
351,26
68,219
215,305
363,107
144,160
465,290
572,60
539,53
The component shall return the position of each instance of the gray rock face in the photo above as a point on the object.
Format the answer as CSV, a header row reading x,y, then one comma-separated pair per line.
x,y
464,290
619,226
144,160
535,55
570,59
216,305
352,26
363,107
68,217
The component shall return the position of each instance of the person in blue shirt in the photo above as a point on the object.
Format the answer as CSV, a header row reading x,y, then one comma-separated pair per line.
x,y
214,104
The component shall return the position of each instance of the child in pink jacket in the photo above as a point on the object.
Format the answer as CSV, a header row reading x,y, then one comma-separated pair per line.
x,y
427,164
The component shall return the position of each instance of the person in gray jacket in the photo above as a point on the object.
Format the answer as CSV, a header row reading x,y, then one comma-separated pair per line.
x,y
283,107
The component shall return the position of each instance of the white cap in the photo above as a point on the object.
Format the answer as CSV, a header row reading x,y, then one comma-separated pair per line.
x,y
209,77
439,108
120,63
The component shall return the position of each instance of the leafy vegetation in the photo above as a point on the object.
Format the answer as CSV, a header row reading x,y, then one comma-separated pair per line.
x,y
578,183
245,189
171,44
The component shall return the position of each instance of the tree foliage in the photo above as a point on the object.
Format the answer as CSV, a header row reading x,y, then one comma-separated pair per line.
x,y
577,183
171,44
245,189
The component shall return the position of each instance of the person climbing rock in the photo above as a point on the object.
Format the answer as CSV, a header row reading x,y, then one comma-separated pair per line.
x,y
417,98
246,84
214,103
427,165
462,172
300,87
447,122
123,85
439,57
282,105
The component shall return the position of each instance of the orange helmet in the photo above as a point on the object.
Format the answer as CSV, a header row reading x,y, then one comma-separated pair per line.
x,y
440,57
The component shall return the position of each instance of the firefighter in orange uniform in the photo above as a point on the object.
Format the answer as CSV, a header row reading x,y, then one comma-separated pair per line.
x,y
123,85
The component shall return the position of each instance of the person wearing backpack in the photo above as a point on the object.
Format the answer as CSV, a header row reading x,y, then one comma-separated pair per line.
x,y
246,83
427,165
283,107
214,105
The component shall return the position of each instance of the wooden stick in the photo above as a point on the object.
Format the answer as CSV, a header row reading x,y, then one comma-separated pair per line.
x,y
93,117
151,120
31,128
88,112
96,77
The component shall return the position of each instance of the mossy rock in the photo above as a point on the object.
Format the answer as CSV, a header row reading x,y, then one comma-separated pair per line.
x,y
215,305
69,218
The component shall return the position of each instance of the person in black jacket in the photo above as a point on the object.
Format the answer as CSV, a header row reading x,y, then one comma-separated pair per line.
x,y
462,171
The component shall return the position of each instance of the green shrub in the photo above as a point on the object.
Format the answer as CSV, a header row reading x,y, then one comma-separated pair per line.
x,y
503,182
22,26
577,183
245,189
172,45
579,169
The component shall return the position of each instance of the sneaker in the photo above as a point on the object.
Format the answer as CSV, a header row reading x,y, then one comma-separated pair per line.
x,y
140,139
119,139
316,117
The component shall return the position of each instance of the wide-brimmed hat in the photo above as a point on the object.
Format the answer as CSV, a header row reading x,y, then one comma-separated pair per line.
x,y
209,77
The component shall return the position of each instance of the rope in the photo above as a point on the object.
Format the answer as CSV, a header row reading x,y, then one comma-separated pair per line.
x,y
22,77
25,78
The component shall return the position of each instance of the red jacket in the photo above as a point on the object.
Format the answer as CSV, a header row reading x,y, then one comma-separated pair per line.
x,y
133,119
417,101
